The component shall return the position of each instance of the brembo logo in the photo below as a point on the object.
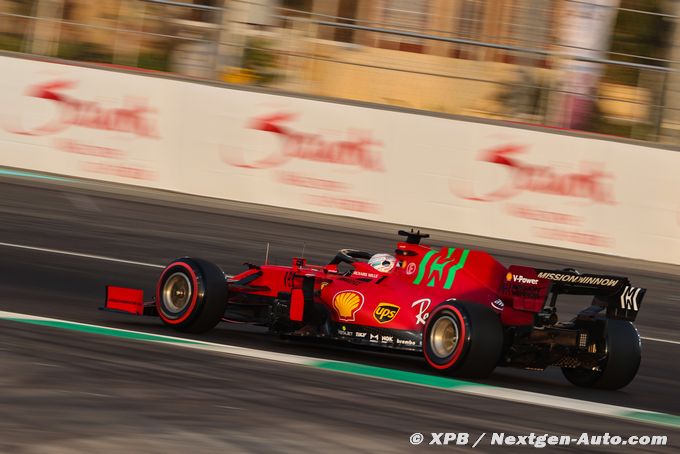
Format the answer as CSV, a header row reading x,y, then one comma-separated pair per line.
x,y
134,119
589,183
521,279
355,150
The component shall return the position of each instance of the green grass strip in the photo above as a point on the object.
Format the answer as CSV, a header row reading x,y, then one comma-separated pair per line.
x,y
392,374
653,417
39,176
434,381
90,329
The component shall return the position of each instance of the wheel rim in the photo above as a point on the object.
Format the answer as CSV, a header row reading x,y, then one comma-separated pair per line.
x,y
177,293
444,336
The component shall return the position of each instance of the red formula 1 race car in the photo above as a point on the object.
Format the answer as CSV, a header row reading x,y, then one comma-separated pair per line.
x,y
464,311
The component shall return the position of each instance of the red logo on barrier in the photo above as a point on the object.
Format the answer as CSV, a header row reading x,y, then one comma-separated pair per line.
x,y
88,114
590,183
354,151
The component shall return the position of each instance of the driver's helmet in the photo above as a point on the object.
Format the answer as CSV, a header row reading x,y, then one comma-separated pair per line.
x,y
383,262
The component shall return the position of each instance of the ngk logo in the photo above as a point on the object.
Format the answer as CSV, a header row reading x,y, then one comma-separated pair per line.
x,y
589,182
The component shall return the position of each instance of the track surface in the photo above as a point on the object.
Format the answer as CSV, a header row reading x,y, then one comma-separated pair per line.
x,y
80,392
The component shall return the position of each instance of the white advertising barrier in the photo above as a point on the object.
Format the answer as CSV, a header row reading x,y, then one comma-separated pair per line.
x,y
495,181
84,122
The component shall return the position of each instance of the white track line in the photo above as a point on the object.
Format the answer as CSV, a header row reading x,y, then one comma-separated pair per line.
x,y
152,265
666,341
78,254
456,386
171,340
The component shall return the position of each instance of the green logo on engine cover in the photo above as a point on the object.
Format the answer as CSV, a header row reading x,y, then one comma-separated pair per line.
x,y
438,268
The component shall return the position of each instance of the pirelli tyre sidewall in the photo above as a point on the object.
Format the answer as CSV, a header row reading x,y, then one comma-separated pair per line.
x,y
202,292
479,344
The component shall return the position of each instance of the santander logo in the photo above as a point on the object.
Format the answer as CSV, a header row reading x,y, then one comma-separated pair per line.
x,y
589,183
133,119
355,150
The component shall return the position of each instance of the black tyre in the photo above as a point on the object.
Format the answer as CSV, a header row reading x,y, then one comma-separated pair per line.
x,y
463,338
191,295
621,361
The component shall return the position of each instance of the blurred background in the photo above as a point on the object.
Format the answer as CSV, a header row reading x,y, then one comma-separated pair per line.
x,y
604,66
105,176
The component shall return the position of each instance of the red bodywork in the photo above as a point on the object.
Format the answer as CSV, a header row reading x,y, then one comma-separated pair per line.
x,y
393,303
123,299
348,300
423,278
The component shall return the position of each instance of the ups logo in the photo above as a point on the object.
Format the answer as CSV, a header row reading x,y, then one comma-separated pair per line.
x,y
385,312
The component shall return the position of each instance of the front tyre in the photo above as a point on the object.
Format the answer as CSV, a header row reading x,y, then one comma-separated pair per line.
x,y
621,361
191,295
463,338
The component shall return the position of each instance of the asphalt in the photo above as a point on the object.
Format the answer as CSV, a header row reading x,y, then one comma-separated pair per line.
x,y
74,392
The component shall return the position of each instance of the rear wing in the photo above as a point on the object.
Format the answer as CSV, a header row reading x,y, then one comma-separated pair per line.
x,y
614,293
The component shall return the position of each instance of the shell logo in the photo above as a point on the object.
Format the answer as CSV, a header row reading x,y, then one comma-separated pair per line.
x,y
347,304
508,277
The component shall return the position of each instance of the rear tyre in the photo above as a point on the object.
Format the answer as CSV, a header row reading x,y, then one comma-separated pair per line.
x,y
620,363
465,339
191,295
